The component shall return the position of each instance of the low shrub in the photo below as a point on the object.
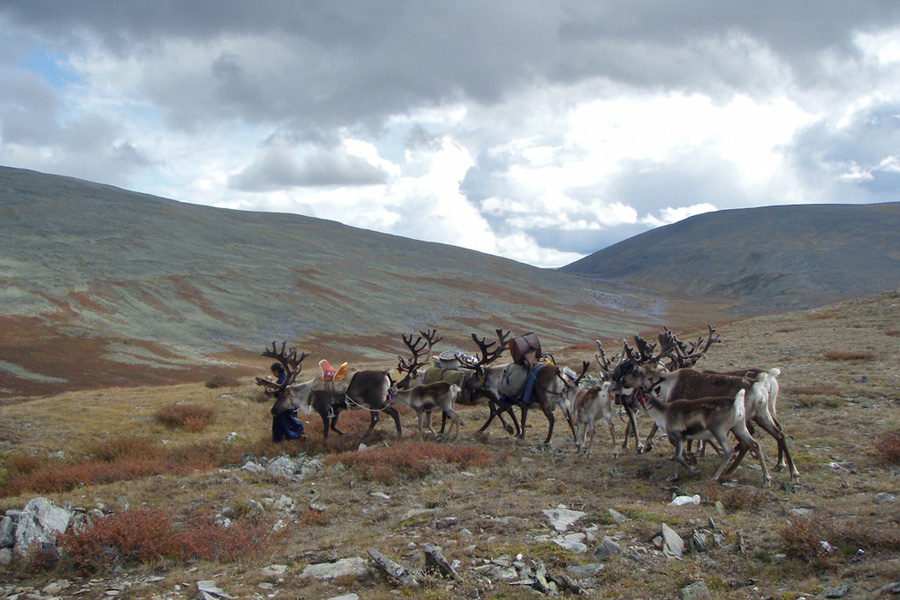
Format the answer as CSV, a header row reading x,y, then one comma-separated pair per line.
x,y
739,498
147,536
222,381
125,447
848,355
410,460
66,477
889,446
192,417
817,539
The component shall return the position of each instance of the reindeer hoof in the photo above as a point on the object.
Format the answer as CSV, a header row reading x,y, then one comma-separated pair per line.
x,y
509,429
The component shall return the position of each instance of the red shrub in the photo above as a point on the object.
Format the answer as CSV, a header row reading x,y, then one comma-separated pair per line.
x,y
146,536
188,416
889,446
410,460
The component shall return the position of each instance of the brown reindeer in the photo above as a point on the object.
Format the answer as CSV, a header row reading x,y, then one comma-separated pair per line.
x,y
688,383
548,388
588,406
428,397
709,418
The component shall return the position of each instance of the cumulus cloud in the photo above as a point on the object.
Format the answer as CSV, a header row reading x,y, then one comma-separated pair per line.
x,y
541,132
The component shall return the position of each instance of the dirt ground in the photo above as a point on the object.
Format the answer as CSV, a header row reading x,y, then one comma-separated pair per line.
x,y
840,383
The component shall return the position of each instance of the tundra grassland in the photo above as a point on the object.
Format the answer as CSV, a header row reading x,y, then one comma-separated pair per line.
x,y
482,498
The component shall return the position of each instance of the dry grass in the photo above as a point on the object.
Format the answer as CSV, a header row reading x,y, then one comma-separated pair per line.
x,y
396,496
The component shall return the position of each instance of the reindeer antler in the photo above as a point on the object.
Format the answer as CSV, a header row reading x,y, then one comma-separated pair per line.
x,y
487,355
412,365
290,360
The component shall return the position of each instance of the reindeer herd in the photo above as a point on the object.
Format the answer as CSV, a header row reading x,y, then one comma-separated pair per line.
x,y
659,379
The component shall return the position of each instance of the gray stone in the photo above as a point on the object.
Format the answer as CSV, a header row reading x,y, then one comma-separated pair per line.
x,y
7,532
40,521
6,557
345,597
584,570
281,467
346,566
696,591
210,589
884,498
562,518
616,515
673,545
607,549
839,591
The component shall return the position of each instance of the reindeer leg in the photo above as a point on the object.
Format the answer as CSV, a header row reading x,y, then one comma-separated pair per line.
x,y
648,444
421,433
612,435
396,414
747,442
552,420
372,421
772,429
590,442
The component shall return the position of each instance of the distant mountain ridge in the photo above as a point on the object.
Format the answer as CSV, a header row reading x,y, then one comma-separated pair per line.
x,y
764,259
100,286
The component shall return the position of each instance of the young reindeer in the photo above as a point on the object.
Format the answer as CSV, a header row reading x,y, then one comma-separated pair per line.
x,y
589,406
688,383
706,419
426,398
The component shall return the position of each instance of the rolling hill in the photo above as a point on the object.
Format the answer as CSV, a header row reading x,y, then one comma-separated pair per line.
x,y
104,287
762,260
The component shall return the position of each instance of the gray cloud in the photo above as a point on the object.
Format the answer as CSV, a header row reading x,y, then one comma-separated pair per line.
x,y
190,87
278,167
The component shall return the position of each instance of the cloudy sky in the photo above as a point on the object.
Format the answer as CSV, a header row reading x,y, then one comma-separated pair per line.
x,y
540,131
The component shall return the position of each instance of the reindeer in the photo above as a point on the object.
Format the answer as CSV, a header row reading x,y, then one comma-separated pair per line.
x,y
548,389
688,383
588,406
425,398
706,419
284,419
673,354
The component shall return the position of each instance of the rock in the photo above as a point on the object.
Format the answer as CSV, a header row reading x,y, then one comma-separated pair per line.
x,y
838,591
673,545
207,590
394,569
720,508
562,518
884,498
346,566
275,570
607,549
345,597
572,541
616,515
6,557
585,570
40,521
281,467
695,591
697,541
7,532
891,588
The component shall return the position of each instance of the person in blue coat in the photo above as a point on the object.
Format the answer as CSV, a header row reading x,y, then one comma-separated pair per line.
x,y
285,424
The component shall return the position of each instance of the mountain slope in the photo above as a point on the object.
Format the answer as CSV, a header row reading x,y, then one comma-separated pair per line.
x,y
765,259
102,287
